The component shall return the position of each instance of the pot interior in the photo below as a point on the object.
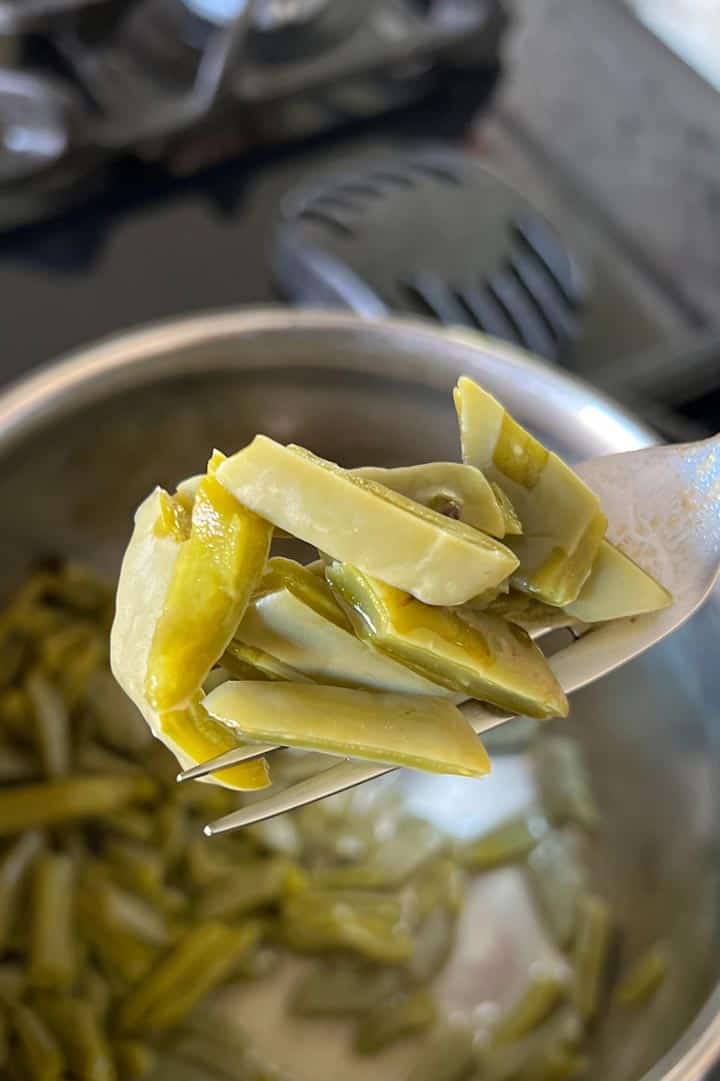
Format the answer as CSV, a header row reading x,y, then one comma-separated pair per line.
x,y
69,487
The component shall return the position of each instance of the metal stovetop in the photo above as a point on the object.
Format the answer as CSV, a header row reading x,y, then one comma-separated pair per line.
x,y
156,246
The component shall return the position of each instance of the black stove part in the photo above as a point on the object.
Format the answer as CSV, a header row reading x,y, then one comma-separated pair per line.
x,y
162,82
281,33
157,62
442,98
147,80
431,232
80,198
160,68
683,371
680,380
23,16
36,122
266,14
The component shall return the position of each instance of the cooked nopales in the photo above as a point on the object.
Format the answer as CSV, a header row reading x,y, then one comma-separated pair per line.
x,y
429,579
460,491
120,925
295,617
405,729
169,593
617,587
479,655
563,523
437,559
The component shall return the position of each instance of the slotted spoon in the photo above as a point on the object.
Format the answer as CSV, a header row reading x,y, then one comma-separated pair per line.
x,y
663,505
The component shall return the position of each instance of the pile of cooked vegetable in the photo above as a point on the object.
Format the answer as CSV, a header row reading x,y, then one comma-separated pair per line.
x,y
120,922
427,581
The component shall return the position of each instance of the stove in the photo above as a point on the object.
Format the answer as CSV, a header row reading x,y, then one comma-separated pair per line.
x,y
147,150
183,83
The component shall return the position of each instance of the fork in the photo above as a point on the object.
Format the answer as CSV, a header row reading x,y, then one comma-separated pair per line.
x,y
663,505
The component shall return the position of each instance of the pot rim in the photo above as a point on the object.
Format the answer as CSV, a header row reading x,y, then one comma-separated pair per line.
x,y
132,358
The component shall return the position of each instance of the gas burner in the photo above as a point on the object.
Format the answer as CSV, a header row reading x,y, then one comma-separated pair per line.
x,y
277,14
20,16
160,51
36,120
181,82
264,15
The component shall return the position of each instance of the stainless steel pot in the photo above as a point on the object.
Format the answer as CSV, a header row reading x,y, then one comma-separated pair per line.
x,y
83,441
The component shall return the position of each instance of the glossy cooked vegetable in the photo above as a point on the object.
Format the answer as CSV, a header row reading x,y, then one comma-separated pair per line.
x,y
200,962
121,956
15,868
448,1055
422,602
296,619
95,910
643,979
211,1047
122,911
197,1056
72,799
558,881
458,491
135,1059
13,982
438,560
249,887
307,583
564,783
407,730
403,1014
379,884
248,662
343,989
591,955
548,1064
542,996
513,525
508,842
617,588
479,655
363,923
527,612
53,957
4,1036
412,843
81,1036
17,764
148,580
563,524
218,567
434,944
440,885
52,725
549,1051
39,1048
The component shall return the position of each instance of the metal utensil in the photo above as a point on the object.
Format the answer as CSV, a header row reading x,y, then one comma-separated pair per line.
x,y
82,442
664,508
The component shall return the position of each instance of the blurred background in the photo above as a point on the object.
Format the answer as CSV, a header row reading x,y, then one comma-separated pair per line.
x,y
545,170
